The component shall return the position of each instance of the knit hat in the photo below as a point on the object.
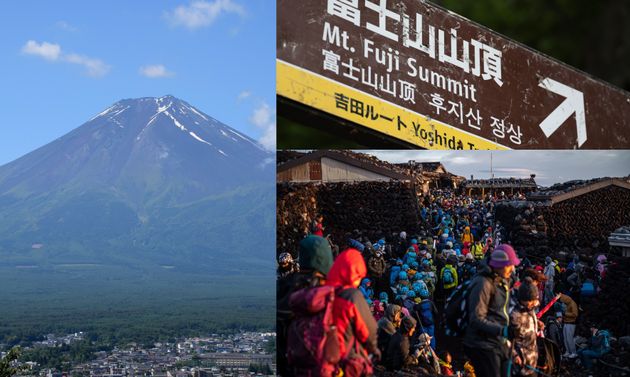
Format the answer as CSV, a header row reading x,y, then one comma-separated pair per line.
x,y
528,290
315,254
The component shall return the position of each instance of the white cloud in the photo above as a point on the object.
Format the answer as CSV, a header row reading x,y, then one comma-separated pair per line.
x,y
244,94
94,67
268,138
202,13
263,118
155,71
267,161
261,115
52,52
63,25
48,51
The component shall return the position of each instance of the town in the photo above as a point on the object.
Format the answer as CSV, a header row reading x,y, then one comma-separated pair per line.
x,y
235,355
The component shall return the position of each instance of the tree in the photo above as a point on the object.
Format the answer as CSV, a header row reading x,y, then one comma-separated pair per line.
x,y
7,363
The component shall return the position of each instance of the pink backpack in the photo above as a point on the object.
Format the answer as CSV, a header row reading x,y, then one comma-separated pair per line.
x,y
312,342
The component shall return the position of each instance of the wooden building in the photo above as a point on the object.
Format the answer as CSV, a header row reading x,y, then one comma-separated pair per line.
x,y
508,186
431,175
335,166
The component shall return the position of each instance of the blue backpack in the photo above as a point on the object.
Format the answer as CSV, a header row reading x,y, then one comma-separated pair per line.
x,y
448,277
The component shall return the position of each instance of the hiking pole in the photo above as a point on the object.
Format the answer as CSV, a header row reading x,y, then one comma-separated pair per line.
x,y
547,307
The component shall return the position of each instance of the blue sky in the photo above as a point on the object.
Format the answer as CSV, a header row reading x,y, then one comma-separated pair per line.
x,y
65,61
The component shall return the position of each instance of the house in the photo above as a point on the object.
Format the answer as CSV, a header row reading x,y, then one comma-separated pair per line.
x,y
325,166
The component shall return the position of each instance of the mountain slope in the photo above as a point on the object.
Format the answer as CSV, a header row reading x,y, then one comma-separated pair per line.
x,y
147,182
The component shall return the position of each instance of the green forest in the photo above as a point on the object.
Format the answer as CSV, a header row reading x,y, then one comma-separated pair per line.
x,y
593,36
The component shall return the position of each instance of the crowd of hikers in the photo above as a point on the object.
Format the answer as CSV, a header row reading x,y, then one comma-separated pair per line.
x,y
405,303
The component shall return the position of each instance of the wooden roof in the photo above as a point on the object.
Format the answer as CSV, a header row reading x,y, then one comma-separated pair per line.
x,y
345,158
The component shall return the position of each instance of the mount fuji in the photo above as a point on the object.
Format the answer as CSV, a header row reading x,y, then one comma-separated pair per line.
x,y
147,183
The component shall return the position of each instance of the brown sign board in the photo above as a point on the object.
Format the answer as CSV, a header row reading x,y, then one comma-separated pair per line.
x,y
417,57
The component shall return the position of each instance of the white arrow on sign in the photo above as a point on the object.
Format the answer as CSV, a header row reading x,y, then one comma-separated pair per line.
x,y
574,103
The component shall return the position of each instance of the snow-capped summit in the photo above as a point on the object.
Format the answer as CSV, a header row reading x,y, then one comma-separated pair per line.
x,y
177,113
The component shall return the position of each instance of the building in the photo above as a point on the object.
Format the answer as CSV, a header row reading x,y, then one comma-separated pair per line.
x,y
430,175
494,186
585,213
620,240
336,166
238,360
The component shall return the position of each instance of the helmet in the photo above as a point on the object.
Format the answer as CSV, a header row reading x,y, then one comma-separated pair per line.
x,y
405,267
285,258
365,281
404,290
402,275
383,296
414,265
414,241
411,294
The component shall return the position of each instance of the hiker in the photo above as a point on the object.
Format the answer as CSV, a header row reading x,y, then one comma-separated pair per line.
x,y
448,276
387,327
315,257
550,272
524,329
446,368
477,250
569,319
426,312
399,353
366,288
286,265
553,330
485,341
317,226
598,346
428,361
467,237
356,328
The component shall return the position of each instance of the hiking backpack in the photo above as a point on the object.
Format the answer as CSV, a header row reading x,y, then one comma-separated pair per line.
x,y
456,310
447,277
312,342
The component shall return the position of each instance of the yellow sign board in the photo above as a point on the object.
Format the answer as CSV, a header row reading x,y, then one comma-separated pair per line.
x,y
319,92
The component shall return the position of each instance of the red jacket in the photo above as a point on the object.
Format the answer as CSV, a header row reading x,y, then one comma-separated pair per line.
x,y
351,313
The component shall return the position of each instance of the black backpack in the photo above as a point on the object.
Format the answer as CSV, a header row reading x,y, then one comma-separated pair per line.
x,y
456,310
